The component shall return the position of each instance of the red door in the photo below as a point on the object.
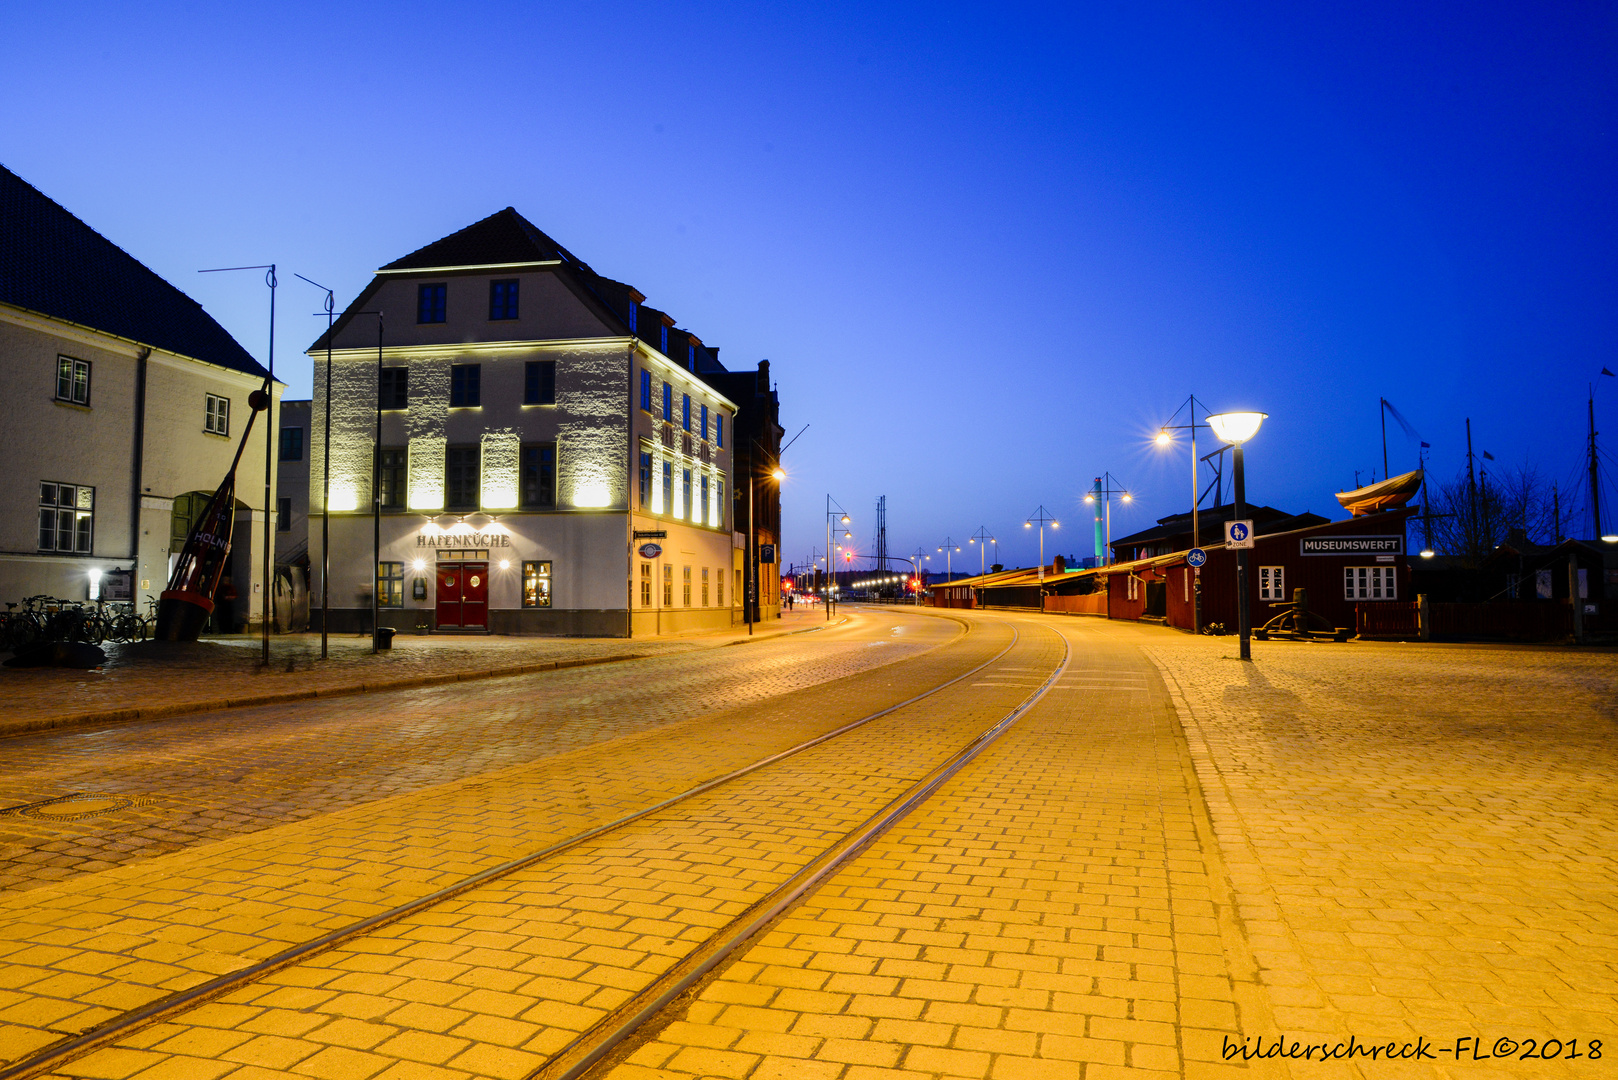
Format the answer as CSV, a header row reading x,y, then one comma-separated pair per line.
x,y
451,577
475,595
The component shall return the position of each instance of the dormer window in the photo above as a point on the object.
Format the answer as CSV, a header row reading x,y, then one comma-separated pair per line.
x,y
663,340
691,357
634,309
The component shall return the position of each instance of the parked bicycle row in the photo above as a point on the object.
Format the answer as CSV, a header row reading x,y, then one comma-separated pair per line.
x,y
41,619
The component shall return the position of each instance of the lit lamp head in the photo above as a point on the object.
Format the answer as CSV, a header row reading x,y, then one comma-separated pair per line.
x,y
1609,539
1089,498
1164,438
1127,497
777,475
1427,552
1236,427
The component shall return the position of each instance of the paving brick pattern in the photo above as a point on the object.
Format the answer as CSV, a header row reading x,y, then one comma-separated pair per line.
x,y
1051,912
491,981
1421,839
218,775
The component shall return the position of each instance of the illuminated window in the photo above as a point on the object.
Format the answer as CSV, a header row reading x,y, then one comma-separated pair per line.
x,y
645,390
668,585
704,586
66,517
1368,583
461,478
291,444
393,388
393,477
686,574
536,584
216,419
719,585
645,584
539,476
502,299
430,306
390,584
645,478
73,380
465,386
539,382
687,510
701,515
1271,581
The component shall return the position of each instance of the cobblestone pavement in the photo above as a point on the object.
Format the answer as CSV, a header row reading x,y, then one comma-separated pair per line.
x,y
77,953
1172,854
215,775
182,673
1055,911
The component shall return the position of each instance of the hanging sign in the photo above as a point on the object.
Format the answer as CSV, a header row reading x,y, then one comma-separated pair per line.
x,y
650,551
766,553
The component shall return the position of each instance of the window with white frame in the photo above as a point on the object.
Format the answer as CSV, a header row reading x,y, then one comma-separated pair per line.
x,y
72,380
1368,583
1272,583
217,419
66,517
1133,586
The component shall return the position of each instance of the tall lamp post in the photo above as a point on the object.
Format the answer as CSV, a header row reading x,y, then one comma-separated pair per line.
x,y
325,481
1041,517
949,549
777,475
831,564
1236,428
1164,439
1103,493
982,539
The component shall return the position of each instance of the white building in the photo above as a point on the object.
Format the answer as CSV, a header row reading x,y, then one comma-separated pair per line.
x,y
546,466
121,405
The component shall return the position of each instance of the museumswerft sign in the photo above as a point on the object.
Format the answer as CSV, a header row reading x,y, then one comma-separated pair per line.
x,y
464,539
1351,545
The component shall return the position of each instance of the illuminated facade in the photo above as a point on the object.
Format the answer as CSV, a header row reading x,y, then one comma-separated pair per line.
x,y
539,428
122,404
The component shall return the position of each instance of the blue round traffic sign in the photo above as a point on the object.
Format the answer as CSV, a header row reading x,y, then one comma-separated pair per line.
x,y
1196,557
1238,530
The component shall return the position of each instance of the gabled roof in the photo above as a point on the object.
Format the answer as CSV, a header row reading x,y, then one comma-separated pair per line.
x,y
54,264
504,237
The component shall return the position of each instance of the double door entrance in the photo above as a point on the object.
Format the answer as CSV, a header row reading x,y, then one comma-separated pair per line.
x,y
463,591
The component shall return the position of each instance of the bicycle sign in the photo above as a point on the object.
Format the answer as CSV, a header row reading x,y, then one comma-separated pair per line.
x,y
1239,534
1196,557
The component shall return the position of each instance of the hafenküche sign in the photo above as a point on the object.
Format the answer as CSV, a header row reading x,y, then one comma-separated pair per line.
x,y
1351,545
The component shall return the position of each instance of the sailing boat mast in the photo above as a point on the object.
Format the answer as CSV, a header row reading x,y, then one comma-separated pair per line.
x,y
1595,474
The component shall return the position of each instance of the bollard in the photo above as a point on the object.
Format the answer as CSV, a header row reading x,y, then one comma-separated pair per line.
x,y
1424,617
1574,599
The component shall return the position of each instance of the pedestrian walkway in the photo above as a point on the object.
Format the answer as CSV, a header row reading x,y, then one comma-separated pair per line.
x,y
153,679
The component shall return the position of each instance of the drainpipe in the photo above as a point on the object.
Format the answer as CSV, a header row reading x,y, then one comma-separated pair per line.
x,y
139,460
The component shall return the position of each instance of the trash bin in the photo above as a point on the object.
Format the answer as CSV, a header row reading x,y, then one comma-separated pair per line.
x,y
384,637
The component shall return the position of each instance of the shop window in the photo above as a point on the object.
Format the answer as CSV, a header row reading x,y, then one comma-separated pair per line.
x,y
704,586
1368,583
66,517
393,477
668,586
72,380
393,388
536,583
1272,583
390,584
539,476
539,382
645,584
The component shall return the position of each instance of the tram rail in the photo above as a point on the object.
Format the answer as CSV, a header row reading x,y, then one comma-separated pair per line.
x,y
594,1045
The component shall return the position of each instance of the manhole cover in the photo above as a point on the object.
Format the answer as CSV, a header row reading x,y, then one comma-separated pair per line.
x,y
79,804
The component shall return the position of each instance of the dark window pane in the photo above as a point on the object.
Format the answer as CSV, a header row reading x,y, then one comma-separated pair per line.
x,y
393,479
539,476
395,388
461,486
539,382
646,390
645,478
502,299
464,385
430,306
292,444
685,411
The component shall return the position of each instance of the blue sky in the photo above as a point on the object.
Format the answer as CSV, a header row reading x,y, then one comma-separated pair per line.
x,y
986,251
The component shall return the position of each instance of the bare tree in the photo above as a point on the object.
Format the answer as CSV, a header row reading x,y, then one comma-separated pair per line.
x,y
1474,515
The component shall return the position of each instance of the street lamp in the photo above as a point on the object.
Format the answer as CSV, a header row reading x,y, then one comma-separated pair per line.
x,y
1042,517
949,549
831,567
1101,495
1237,428
982,539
